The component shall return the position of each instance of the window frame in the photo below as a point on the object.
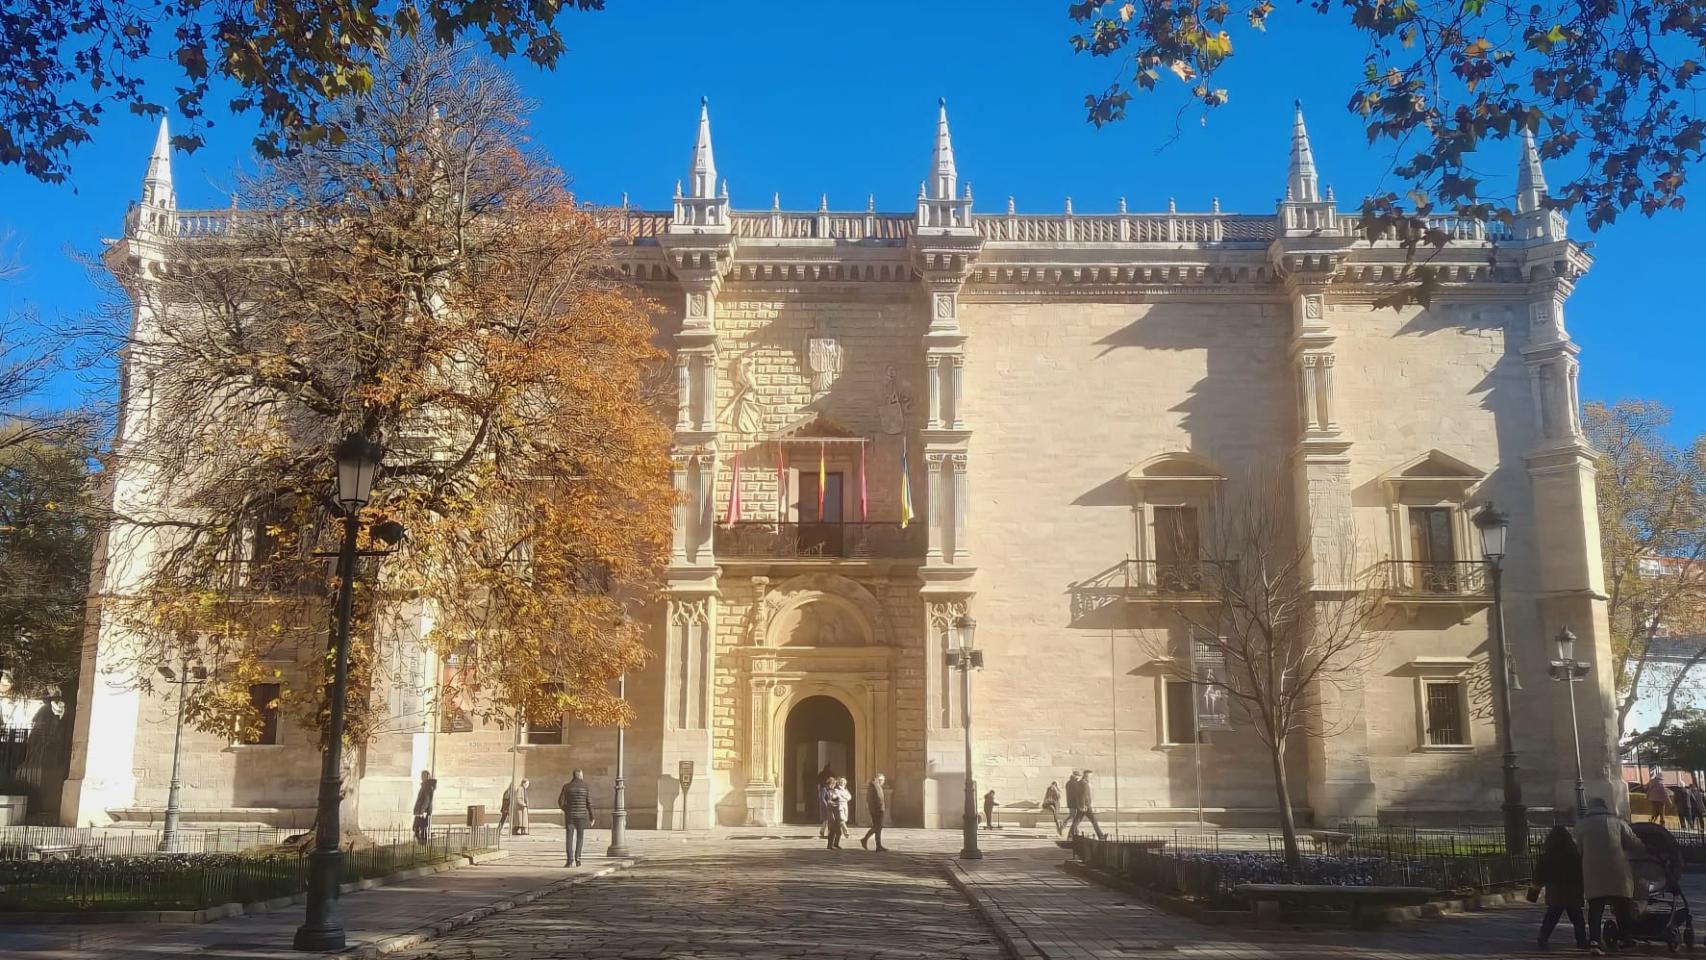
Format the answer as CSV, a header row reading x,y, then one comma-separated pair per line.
x,y
1167,738
271,718
1440,676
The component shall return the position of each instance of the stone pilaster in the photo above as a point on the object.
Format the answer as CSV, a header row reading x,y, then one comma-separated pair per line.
x,y
945,744
689,664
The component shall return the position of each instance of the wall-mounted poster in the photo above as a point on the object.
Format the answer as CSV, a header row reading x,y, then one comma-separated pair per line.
x,y
1208,667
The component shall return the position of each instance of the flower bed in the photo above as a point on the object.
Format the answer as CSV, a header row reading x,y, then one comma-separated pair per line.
x,y
1208,877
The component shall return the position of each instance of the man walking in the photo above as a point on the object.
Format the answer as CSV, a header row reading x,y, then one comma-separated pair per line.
x,y
1084,808
1051,803
576,803
423,806
838,798
878,808
1074,787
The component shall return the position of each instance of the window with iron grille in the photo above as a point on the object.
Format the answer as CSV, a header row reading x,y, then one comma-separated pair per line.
x,y
1445,714
545,730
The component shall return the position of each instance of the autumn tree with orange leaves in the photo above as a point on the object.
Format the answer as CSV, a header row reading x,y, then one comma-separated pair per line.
x,y
429,281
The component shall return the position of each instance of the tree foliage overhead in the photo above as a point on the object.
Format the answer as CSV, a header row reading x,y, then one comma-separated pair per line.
x,y
65,63
1652,527
1614,84
427,281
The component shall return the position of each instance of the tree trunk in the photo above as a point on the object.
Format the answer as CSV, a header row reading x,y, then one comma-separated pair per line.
x,y
1282,793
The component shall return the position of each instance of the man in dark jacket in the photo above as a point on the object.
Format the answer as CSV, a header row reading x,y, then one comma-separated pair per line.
x,y
878,808
1084,809
576,803
1074,789
423,806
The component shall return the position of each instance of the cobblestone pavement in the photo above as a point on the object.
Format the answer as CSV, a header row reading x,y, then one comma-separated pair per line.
x,y
1047,913
760,899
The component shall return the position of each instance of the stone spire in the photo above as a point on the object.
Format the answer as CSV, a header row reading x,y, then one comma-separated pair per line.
x,y
1301,180
702,208
943,175
937,205
157,188
1530,179
702,175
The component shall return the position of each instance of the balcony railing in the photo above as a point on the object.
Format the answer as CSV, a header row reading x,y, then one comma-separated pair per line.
x,y
1148,581
760,540
1437,579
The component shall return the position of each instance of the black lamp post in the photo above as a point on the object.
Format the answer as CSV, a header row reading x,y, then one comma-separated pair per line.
x,y
1569,670
358,461
1494,527
965,658
183,678
619,809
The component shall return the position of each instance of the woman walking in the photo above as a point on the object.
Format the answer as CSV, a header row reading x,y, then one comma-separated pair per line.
x,y
1558,874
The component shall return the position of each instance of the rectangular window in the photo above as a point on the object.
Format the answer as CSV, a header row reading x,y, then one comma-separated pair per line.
x,y
263,697
1444,704
1181,710
545,730
1432,551
1177,549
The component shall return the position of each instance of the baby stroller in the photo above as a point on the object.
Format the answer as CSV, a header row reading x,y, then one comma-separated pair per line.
x,y
1665,917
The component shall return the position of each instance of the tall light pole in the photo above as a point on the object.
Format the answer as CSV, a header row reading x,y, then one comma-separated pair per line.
x,y
965,658
183,677
1494,526
358,461
1570,671
619,809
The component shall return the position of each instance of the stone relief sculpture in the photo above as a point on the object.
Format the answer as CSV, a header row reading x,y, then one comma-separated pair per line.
x,y
742,412
823,358
897,403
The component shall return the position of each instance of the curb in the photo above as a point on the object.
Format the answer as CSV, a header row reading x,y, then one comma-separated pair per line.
x,y
1019,946
438,928
224,911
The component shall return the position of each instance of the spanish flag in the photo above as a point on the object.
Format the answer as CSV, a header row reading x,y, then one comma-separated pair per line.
x,y
734,491
822,477
905,487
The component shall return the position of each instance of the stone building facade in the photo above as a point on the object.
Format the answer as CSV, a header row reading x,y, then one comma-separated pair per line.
x,y
889,420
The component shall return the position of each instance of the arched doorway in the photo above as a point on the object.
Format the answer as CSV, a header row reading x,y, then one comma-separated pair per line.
x,y
818,737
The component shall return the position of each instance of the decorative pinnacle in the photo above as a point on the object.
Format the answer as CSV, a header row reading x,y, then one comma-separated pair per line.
x,y
157,182
702,173
1530,178
943,173
1301,182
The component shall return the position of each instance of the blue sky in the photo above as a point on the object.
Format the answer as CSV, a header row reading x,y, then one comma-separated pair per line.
x,y
812,99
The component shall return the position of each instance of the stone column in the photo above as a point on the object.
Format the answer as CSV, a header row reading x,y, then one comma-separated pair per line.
x,y
1562,574
689,666
944,797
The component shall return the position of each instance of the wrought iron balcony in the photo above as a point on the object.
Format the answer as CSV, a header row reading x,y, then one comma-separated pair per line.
x,y
760,540
1426,580
1147,581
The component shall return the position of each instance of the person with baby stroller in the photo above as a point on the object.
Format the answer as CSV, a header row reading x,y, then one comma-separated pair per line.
x,y
1655,910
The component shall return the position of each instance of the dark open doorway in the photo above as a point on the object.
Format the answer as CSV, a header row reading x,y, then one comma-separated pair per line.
x,y
818,739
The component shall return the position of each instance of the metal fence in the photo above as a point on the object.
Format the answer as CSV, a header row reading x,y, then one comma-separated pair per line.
x,y
1206,868
112,873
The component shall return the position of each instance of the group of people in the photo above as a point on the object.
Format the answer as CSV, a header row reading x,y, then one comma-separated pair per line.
x,y
1080,805
1686,801
1591,867
834,804
575,800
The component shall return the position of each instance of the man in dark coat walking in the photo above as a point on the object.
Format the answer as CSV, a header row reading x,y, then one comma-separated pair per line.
x,y
1083,808
575,800
423,806
878,808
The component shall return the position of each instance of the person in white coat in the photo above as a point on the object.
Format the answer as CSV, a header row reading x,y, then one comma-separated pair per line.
x,y
1607,842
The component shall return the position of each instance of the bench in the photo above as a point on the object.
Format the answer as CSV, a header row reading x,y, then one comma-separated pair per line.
x,y
1270,901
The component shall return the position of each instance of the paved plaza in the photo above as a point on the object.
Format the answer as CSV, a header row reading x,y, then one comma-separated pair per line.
x,y
778,895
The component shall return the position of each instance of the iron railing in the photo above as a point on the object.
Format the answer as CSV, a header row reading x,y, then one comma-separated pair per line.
x,y
804,541
110,873
1152,581
1437,578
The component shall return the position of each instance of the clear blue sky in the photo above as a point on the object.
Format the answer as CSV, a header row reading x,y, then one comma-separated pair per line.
x,y
809,99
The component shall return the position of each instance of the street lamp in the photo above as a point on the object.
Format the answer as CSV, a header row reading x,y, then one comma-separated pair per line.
x,y
964,658
619,808
358,461
1495,527
183,678
1571,671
